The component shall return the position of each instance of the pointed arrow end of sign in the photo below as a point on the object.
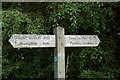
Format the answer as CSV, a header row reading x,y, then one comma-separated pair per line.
x,y
12,40
98,41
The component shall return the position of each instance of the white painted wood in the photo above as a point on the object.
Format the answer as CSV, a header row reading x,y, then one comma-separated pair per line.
x,y
27,41
60,54
81,40
59,41
31,40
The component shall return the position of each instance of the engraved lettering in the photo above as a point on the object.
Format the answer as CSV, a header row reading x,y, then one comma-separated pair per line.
x,y
32,43
46,43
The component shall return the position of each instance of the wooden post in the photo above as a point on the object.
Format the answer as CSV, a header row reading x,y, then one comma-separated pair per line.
x,y
59,56
31,40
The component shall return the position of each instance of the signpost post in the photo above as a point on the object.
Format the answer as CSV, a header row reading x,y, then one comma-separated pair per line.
x,y
59,41
59,64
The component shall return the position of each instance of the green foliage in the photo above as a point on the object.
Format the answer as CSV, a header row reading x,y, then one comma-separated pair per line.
x,y
100,19
27,63
15,22
95,58
76,16
92,74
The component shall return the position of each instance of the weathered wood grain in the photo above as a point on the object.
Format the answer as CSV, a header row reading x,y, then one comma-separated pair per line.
x,y
60,54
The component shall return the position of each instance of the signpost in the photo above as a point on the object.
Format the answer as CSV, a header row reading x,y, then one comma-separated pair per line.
x,y
59,41
27,41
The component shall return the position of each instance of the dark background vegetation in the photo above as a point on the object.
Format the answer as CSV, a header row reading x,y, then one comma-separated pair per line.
x,y
102,19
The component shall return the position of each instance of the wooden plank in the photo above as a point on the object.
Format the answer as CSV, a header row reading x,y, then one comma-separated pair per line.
x,y
81,40
59,41
27,41
60,54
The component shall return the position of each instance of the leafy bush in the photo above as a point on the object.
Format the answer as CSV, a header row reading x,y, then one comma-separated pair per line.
x,y
15,22
100,19
93,74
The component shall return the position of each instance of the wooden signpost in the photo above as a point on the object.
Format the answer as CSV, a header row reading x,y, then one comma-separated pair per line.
x,y
59,41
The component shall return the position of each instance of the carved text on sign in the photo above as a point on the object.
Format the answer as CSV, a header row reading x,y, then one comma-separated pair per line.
x,y
21,40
